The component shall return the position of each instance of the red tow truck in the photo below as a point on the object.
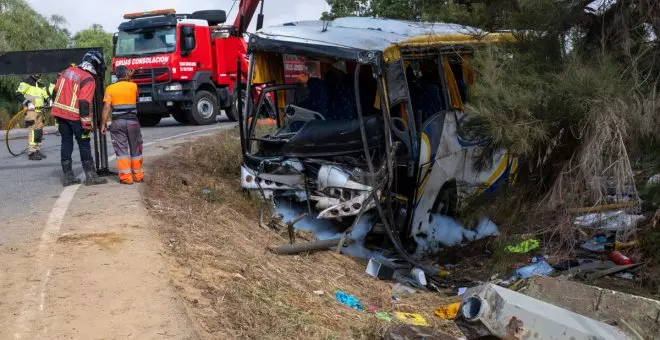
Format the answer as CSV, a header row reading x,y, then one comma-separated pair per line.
x,y
185,65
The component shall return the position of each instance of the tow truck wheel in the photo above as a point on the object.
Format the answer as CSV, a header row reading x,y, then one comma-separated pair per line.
x,y
149,120
204,109
232,111
180,116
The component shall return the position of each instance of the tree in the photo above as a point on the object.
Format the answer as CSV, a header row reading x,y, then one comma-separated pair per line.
x,y
96,36
575,95
344,8
23,29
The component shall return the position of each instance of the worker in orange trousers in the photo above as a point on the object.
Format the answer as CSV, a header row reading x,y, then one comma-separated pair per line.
x,y
121,102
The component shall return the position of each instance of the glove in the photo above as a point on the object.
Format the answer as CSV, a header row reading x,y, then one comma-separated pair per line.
x,y
87,124
28,104
50,102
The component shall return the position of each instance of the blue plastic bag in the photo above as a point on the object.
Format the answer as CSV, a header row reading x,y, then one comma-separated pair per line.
x,y
541,268
348,300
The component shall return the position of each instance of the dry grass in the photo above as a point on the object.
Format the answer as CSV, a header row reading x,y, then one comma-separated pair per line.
x,y
234,286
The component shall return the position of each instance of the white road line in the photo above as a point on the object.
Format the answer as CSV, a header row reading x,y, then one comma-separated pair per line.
x,y
34,301
44,256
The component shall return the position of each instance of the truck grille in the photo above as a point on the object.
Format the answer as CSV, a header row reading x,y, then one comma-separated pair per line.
x,y
147,73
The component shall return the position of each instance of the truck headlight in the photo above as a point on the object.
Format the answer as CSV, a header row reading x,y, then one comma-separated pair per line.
x,y
174,87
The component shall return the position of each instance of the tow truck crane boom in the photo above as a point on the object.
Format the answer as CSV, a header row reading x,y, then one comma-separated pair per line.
x,y
246,10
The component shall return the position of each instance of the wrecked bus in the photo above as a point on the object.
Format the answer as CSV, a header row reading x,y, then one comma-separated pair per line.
x,y
367,126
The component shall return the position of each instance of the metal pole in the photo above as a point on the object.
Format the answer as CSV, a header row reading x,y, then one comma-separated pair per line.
x,y
239,87
290,249
102,167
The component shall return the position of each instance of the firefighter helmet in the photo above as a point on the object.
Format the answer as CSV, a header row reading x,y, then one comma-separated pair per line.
x,y
92,62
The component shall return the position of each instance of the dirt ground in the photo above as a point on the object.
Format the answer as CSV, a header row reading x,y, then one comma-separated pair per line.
x,y
234,287
100,275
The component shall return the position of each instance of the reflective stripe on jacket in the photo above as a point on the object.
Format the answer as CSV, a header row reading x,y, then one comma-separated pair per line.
x,y
73,85
35,91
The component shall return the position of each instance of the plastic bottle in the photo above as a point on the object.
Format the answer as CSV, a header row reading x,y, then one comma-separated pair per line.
x,y
620,259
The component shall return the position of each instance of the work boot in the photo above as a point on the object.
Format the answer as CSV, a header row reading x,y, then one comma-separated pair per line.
x,y
69,177
90,174
34,156
41,154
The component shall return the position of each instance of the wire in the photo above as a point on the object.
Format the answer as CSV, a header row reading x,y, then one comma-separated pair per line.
x,y
12,122
232,8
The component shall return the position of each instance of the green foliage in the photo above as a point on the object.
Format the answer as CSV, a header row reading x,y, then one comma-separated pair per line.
x,y
95,36
22,29
574,96
344,8
415,10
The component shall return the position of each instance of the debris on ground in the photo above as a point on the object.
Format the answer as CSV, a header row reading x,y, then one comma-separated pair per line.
x,y
447,312
384,316
348,300
620,259
380,269
411,319
539,268
386,288
653,180
606,305
399,290
523,247
490,310
445,231
610,220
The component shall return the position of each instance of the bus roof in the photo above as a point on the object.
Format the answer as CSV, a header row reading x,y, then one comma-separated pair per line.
x,y
347,37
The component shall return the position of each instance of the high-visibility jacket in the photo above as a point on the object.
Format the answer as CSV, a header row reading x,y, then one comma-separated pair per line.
x,y
122,95
74,87
35,91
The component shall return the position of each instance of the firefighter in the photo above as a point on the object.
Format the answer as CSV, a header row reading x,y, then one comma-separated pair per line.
x,y
121,99
34,95
74,93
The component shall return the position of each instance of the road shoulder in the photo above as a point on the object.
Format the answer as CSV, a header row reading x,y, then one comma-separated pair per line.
x,y
97,271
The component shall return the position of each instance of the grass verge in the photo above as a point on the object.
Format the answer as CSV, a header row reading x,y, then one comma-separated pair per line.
x,y
233,286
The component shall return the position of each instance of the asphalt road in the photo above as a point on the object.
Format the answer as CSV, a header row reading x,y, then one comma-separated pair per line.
x,y
28,189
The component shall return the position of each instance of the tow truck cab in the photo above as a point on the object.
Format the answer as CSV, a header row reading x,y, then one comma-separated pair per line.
x,y
184,64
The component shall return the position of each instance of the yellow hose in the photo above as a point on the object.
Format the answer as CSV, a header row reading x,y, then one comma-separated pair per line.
x,y
11,123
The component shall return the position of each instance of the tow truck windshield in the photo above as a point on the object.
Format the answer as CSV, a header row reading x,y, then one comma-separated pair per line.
x,y
146,42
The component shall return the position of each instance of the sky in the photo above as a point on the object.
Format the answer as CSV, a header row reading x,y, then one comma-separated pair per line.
x,y
82,14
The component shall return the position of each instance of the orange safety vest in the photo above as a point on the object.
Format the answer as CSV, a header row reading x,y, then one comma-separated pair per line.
x,y
73,85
